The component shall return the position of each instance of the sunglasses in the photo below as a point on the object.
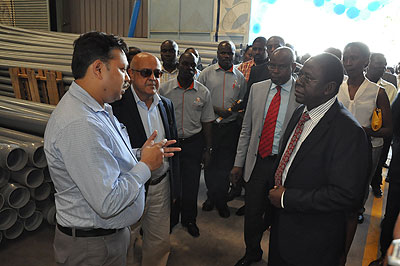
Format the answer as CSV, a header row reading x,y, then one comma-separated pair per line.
x,y
146,72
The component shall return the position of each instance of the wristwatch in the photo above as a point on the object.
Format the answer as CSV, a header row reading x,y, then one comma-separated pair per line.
x,y
138,154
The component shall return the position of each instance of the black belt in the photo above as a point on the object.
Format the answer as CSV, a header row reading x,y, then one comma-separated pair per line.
x,y
155,181
86,232
191,138
269,157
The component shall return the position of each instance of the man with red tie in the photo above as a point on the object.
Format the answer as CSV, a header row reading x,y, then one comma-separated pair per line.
x,y
320,174
270,106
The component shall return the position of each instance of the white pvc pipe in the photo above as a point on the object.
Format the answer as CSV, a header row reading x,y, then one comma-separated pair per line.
x,y
29,176
34,221
12,157
14,231
42,192
15,195
27,210
4,177
8,217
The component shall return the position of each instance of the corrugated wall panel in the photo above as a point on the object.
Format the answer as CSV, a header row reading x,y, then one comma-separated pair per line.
x,y
111,16
31,14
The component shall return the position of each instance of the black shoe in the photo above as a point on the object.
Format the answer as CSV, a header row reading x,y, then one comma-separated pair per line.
x,y
360,218
240,211
377,192
224,212
192,228
245,261
378,262
234,192
208,205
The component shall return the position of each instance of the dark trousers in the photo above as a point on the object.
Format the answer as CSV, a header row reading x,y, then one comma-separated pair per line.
x,y
391,213
377,178
225,139
256,200
190,168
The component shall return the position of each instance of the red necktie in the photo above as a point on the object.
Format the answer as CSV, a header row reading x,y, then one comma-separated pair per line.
x,y
268,132
290,148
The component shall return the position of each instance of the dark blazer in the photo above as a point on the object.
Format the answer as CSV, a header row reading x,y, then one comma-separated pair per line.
x,y
394,169
326,180
127,112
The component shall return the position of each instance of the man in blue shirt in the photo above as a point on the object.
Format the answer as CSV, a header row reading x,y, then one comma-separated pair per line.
x,y
98,180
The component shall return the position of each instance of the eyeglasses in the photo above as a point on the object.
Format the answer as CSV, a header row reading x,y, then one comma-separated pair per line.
x,y
279,67
146,72
307,78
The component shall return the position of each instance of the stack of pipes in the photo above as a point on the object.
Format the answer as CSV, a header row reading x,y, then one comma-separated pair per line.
x,y
53,51
26,190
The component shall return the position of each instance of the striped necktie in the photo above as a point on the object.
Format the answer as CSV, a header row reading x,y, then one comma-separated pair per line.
x,y
292,144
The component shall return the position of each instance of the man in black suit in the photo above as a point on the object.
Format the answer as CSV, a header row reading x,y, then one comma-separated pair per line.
x,y
321,172
144,113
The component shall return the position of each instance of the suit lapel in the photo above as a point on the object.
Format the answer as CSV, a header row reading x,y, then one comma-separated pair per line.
x,y
314,137
137,120
164,118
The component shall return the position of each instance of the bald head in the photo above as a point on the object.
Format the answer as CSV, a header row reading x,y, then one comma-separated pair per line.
x,y
138,59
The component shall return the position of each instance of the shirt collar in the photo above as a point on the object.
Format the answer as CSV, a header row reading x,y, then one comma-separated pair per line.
x,y
83,96
189,88
318,112
218,67
286,87
156,98
165,71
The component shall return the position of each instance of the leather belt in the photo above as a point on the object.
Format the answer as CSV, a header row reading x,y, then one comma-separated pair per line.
x,y
87,232
157,180
191,138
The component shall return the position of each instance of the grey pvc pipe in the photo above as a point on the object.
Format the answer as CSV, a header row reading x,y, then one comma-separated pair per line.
x,y
46,174
12,157
42,192
1,201
8,217
34,221
48,209
45,108
27,210
29,177
23,122
14,231
34,150
15,195
4,177
6,132
23,110
1,237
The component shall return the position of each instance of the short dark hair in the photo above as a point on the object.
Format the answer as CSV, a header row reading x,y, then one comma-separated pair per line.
x,y
261,40
132,52
247,48
362,46
91,46
332,68
334,51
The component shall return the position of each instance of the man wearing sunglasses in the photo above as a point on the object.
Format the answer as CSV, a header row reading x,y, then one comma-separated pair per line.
x,y
143,111
195,114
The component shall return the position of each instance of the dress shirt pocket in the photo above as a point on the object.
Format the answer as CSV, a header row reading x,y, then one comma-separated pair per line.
x,y
198,104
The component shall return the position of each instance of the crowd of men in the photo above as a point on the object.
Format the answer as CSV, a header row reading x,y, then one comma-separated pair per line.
x,y
127,142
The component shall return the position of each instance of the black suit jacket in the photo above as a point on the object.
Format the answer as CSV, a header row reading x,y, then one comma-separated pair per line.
x,y
394,169
326,180
127,112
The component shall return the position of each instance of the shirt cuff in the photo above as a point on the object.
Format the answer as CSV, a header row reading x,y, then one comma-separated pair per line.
x,y
282,200
142,171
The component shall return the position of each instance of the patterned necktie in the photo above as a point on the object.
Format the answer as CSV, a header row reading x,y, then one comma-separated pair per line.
x,y
290,148
268,132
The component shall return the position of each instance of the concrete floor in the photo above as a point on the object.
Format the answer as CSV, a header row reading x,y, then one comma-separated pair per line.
x,y
220,242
